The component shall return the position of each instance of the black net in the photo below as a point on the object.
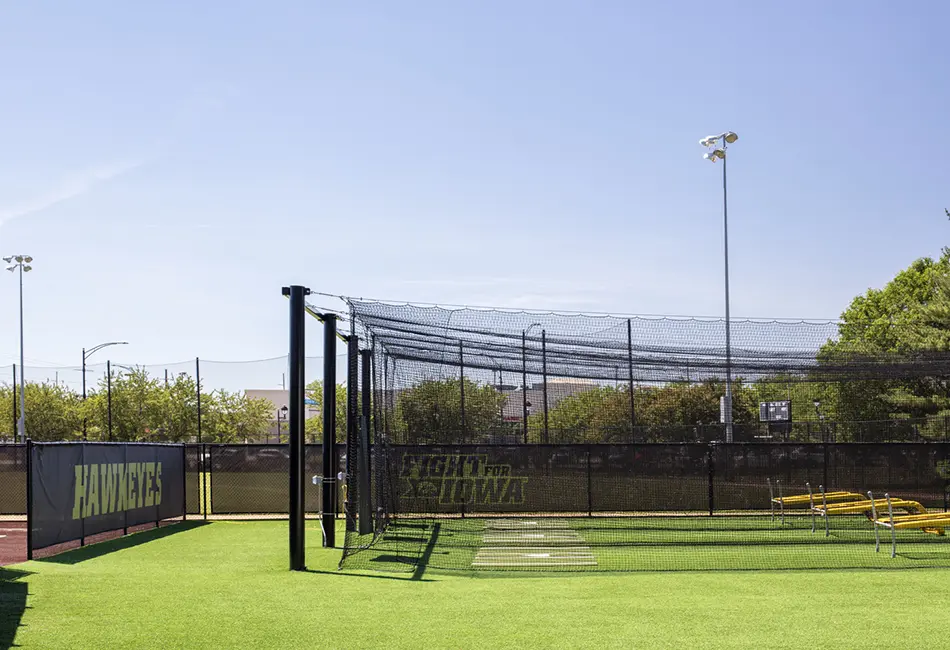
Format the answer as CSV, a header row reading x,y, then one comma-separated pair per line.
x,y
504,440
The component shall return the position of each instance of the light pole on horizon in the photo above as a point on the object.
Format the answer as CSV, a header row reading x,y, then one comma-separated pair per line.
x,y
21,262
717,144
85,355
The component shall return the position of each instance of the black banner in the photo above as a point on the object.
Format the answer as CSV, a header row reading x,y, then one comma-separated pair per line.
x,y
82,489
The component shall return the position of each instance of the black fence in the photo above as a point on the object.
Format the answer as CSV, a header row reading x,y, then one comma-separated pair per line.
x,y
622,478
250,479
596,478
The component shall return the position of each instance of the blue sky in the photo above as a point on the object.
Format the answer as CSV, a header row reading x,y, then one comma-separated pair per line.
x,y
171,165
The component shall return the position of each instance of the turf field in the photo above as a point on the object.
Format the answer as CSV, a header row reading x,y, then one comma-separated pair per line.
x,y
226,584
645,543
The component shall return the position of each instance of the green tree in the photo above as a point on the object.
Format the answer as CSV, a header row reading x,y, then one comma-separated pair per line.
x,y
600,414
907,318
313,428
234,417
431,412
52,412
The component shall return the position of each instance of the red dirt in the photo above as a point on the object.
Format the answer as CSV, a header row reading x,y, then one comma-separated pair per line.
x,y
12,542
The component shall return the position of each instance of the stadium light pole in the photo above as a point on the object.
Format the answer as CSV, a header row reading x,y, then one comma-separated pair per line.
x,y
525,404
85,355
717,145
21,262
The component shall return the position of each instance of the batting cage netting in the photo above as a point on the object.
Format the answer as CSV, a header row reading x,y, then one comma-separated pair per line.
x,y
498,440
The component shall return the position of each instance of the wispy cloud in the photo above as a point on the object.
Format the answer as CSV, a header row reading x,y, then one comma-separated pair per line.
x,y
68,188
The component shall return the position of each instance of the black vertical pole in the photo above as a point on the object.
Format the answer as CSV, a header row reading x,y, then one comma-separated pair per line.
x,y
184,483
198,391
329,429
297,361
524,384
85,505
365,513
206,466
633,411
83,393
462,388
109,395
590,496
544,381
29,498
712,471
352,427
825,467
125,513
14,403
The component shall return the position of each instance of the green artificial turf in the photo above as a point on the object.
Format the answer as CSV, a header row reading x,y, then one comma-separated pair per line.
x,y
226,585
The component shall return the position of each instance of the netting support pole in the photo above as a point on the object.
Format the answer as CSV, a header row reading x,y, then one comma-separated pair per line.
x,y
365,513
633,411
524,384
544,381
329,429
297,364
462,388
712,472
352,426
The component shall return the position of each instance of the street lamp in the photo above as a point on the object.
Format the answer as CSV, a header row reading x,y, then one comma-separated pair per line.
x,y
717,145
21,262
85,355
281,411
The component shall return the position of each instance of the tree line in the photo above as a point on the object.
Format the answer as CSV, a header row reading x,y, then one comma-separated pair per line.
x,y
142,408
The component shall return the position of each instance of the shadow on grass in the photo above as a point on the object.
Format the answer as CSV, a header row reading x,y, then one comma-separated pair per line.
x,y
120,543
13,593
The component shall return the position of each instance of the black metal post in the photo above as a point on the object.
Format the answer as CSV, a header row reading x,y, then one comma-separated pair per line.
x,y
109,392
352,427
84,437
29,498
125,513
825,468
297,363
206,468
198,391
524,383
633,411
184,483
85,504
590,496
462,388
14,404
329,429
544,381
712,472
365,513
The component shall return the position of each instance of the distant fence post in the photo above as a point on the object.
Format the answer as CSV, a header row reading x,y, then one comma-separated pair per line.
x,y
710,462
633,411
198,391
590,495
462,387
544,382
14,429
524,384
